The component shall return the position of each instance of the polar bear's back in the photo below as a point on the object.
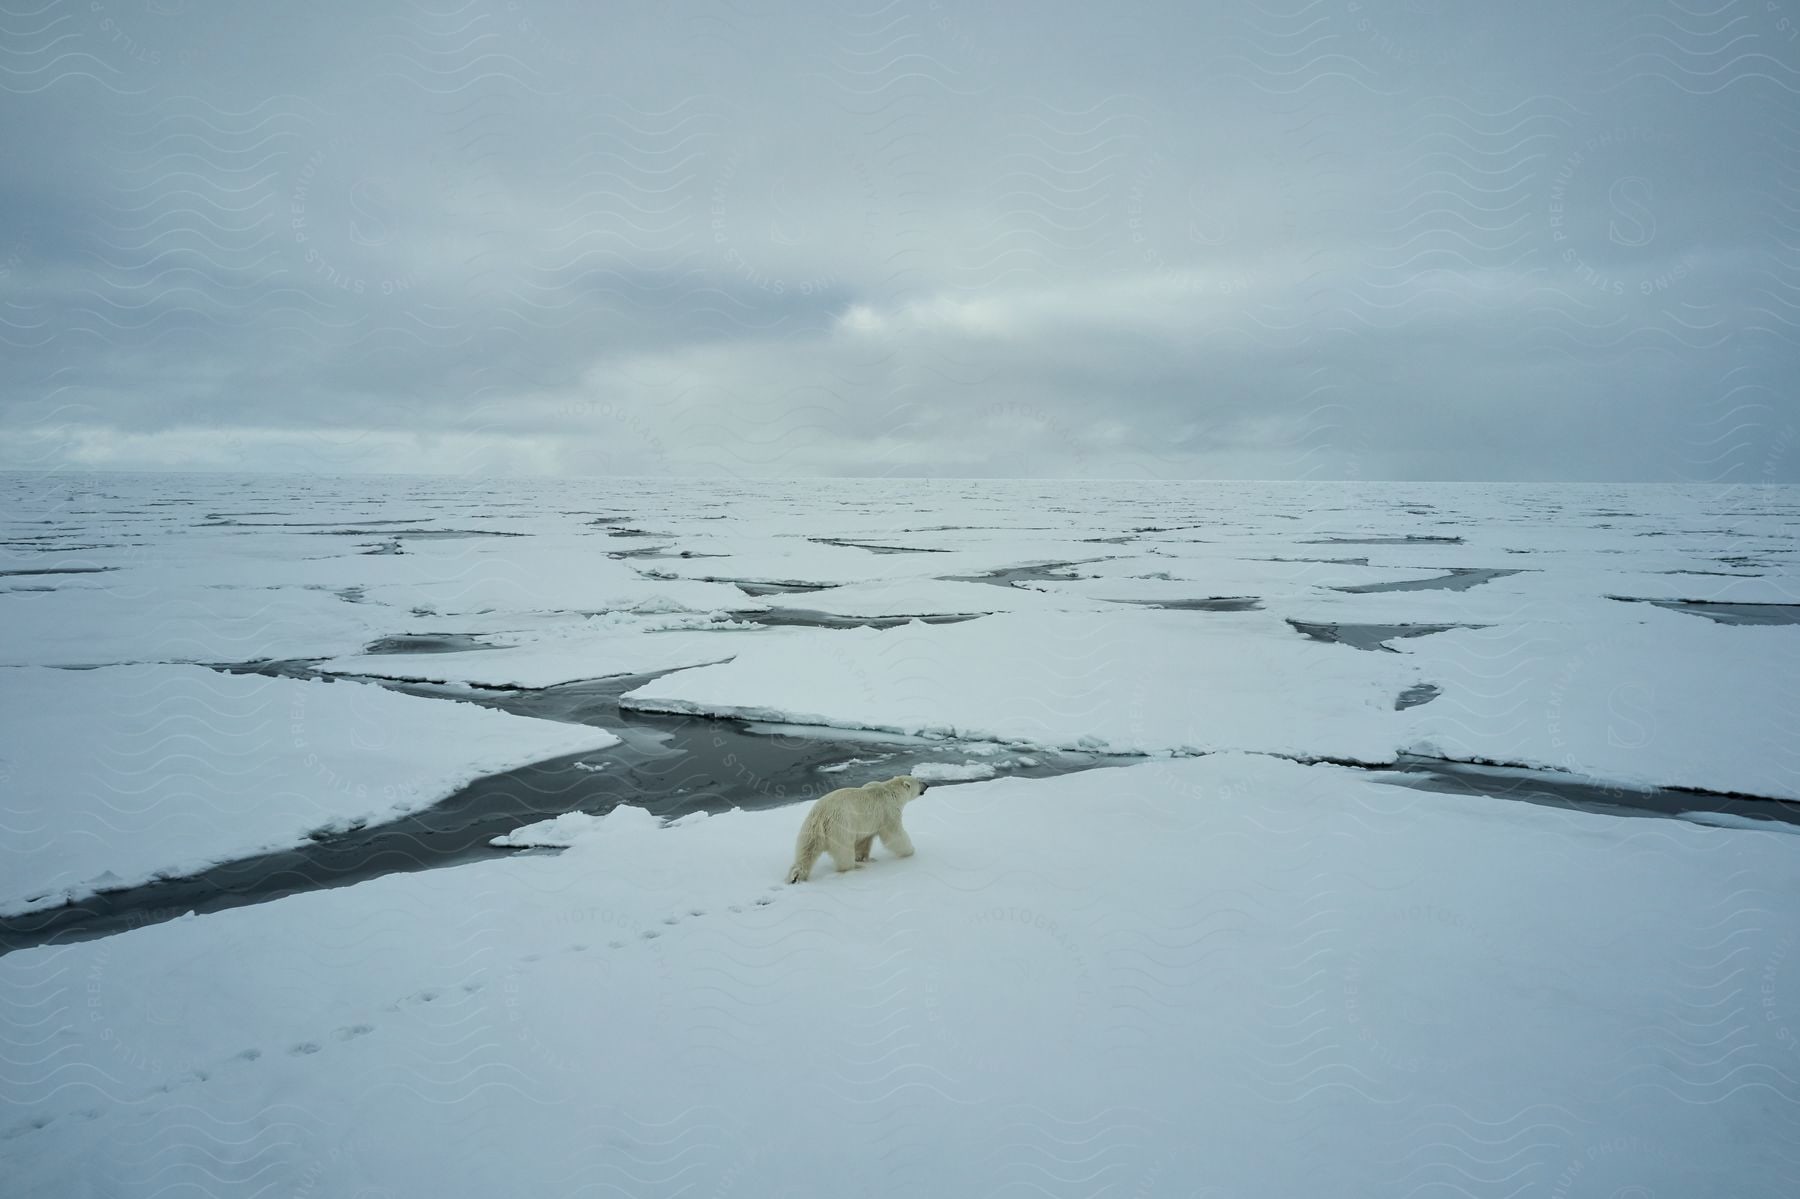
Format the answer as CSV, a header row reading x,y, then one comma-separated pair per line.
x,y
856,811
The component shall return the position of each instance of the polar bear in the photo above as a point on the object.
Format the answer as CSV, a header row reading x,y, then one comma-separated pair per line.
x,y
844,823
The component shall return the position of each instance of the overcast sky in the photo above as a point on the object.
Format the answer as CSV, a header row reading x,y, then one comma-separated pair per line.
x,y
1425,239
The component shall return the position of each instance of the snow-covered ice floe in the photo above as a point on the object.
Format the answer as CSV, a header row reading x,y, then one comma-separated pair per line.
x,y
1231,975
573,827
1139,681
124,773
953,772
1227,975
1657,698
548,653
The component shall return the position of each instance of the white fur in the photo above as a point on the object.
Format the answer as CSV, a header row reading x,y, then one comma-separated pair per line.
x,y
844,823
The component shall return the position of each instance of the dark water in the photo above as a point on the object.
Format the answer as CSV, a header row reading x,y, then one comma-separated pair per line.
x,y
427,643
1723,613
660,552
58,570
809,619
750,588
227,520
1323,561
1410,539
413,534
1044,572
1418,693
1459,579
1370,636
670,765
1552,790
876,549
1217,603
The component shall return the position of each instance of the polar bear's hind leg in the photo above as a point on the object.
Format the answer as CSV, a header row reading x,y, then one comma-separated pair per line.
x,y
863,846
807,848
803,864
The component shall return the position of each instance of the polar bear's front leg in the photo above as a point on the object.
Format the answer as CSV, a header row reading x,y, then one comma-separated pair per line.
x,y
863,846
843,854
894,839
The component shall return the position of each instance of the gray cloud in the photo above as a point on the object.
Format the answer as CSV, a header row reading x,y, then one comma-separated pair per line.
x,y
1383,239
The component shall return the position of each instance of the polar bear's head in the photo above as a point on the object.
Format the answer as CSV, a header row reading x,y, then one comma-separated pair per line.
x,y
912,787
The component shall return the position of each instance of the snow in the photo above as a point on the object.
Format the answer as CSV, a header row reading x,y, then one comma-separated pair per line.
x,y
1142,681
1655,698
952,772
545,655
1730,820
548,573
124,773
1162,577
571,828
153,620
931,597
1226,976
1253,972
